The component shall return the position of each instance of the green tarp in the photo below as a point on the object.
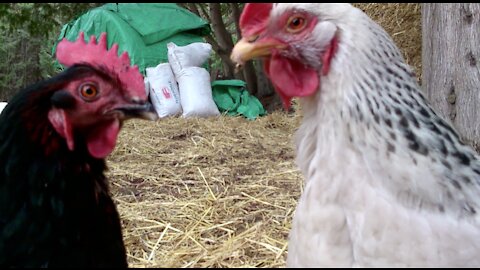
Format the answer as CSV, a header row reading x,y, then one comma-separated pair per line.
x,y
143,30
232,97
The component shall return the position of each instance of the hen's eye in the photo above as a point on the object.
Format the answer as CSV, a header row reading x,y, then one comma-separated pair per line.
x,y
296,23
88,91
253,38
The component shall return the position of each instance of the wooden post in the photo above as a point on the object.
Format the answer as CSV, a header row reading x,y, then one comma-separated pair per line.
x,y
450,64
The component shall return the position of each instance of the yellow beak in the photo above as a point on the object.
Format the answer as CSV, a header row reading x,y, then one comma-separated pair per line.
x,y
245,50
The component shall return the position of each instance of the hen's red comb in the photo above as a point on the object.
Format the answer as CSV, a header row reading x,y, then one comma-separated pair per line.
x,y
254,18
70,53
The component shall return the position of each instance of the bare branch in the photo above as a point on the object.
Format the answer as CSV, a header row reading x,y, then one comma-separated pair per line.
x,y
236,18
204,12
214,43
223,37
193,8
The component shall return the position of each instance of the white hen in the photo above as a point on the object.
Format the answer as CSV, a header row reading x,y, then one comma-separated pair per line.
x,y
387,181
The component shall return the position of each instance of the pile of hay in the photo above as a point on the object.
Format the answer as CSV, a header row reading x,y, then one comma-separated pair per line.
x,y
216,192
220,192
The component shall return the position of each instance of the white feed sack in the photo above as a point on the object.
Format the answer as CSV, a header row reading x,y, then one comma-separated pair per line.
x,y
164,93
191,55
196,93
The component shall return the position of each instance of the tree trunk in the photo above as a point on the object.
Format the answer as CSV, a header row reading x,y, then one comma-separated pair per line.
x,y
451,75
223,37
250,77
236,13
248,71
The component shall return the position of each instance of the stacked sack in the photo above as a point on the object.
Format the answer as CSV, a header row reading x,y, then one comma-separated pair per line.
x,y
182,86
193,81
162,87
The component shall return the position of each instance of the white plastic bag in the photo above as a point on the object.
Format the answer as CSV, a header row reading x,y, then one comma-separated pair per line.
x,y
191,55
164,93
2,106
196,93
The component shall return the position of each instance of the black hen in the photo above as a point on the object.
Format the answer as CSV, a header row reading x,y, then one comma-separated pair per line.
x,y
55,207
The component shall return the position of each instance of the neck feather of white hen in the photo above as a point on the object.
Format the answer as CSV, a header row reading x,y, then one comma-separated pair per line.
x,y
369,121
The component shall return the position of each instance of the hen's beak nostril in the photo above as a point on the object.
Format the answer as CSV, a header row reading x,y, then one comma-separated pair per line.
x,y
238,68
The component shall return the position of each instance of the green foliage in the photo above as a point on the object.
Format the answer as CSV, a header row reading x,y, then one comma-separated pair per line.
x,y
11,64
27,34
215,63
48,66
39,18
